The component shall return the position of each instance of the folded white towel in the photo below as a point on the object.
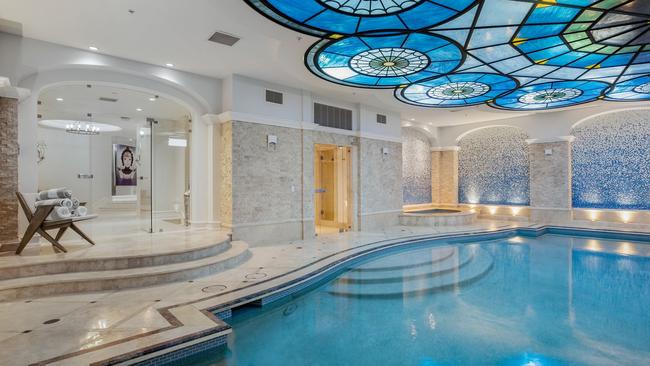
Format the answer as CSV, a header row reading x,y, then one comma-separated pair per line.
x,y
75,203
63,202
60,213
81,211
54,193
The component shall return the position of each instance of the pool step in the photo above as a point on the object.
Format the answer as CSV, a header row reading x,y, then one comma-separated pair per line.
x,y
457,259
115,261
479,263
410,259
93,281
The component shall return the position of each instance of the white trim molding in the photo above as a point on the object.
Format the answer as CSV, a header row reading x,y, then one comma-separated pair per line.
x,y
445,148
551,140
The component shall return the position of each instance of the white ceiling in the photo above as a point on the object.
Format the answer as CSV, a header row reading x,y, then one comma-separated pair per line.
x,y
176,31
78,100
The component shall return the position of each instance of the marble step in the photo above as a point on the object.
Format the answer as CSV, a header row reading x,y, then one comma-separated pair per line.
x,y
114,261
422,272
480,265
80,282
410,259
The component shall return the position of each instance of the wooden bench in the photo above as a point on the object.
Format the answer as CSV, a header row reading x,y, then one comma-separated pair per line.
x,y
38,223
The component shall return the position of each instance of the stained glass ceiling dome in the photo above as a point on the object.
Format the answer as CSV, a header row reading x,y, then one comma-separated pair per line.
x,y
508,54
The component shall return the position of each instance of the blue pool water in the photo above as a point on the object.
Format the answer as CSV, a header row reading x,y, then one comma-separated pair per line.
x,y
552,300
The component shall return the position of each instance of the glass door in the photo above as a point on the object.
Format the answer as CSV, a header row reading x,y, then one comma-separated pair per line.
x,y
170,174
144,189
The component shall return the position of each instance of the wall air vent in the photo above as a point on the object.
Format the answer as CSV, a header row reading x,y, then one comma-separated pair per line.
x,y
381,118
106,99
274,97
329,116
223,38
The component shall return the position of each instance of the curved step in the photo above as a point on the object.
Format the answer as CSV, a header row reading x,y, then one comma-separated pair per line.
x,y
67,283
117,262
455,263
403,260
481,264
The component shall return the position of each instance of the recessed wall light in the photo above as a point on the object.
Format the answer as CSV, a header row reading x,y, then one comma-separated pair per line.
x,y
169,65
93,48
59,99
139,109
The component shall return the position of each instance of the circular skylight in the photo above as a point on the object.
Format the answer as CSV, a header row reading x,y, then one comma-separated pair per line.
x,y
347,17
457,90
389,62
403,59
631,90
552,95
370,7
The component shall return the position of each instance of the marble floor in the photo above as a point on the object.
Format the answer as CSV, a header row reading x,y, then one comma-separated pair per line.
x,y
87,328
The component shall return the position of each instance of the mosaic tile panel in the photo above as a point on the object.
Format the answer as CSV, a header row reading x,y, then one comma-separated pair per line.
x,y
494,168
611,162
416,167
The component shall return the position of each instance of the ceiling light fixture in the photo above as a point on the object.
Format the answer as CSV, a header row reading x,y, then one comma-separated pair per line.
x,y
79,128
169,64
139,109
93,48
59,99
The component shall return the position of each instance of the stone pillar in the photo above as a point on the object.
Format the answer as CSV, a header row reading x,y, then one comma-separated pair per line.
x,y
435,177
8,171
448,176
550,180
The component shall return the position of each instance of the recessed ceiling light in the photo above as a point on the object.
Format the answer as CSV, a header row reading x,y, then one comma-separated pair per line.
x,y
93,48
152,99
139,109
169,64
412,119
59,99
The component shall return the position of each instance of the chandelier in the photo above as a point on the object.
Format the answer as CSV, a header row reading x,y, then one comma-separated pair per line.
x,y
80,128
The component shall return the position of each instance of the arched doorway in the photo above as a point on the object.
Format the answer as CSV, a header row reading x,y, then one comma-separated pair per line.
x,y
123,152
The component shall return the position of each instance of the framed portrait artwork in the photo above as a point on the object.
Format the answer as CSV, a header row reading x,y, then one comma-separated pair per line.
x,y
124,166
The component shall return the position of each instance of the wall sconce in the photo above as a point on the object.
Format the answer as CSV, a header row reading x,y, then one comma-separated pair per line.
x,y
515,210
593,215
271,142
626,216
492,210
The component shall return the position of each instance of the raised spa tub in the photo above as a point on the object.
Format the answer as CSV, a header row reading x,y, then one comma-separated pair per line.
x,y
438,217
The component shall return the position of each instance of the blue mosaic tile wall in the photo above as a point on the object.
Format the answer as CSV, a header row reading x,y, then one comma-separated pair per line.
x,y
493,167
416,167
611,162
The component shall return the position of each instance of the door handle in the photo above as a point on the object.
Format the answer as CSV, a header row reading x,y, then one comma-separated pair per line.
x,y
320,190
85,176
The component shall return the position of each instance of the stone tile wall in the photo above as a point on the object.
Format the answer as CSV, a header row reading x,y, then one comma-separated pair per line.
x,y
448,182
416,166
435,177
380,183
9,171
268,195
550,175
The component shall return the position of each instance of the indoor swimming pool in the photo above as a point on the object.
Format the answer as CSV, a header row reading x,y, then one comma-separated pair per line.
x,y
550,300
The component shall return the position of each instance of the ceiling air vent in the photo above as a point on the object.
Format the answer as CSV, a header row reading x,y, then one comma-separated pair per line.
x,y
274,97
381,119
106,99
125,118
329,116
223,38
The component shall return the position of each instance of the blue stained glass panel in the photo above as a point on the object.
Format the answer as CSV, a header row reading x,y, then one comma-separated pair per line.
x,y
552,95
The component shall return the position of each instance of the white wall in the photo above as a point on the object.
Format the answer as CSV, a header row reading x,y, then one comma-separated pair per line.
x,y
244,100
